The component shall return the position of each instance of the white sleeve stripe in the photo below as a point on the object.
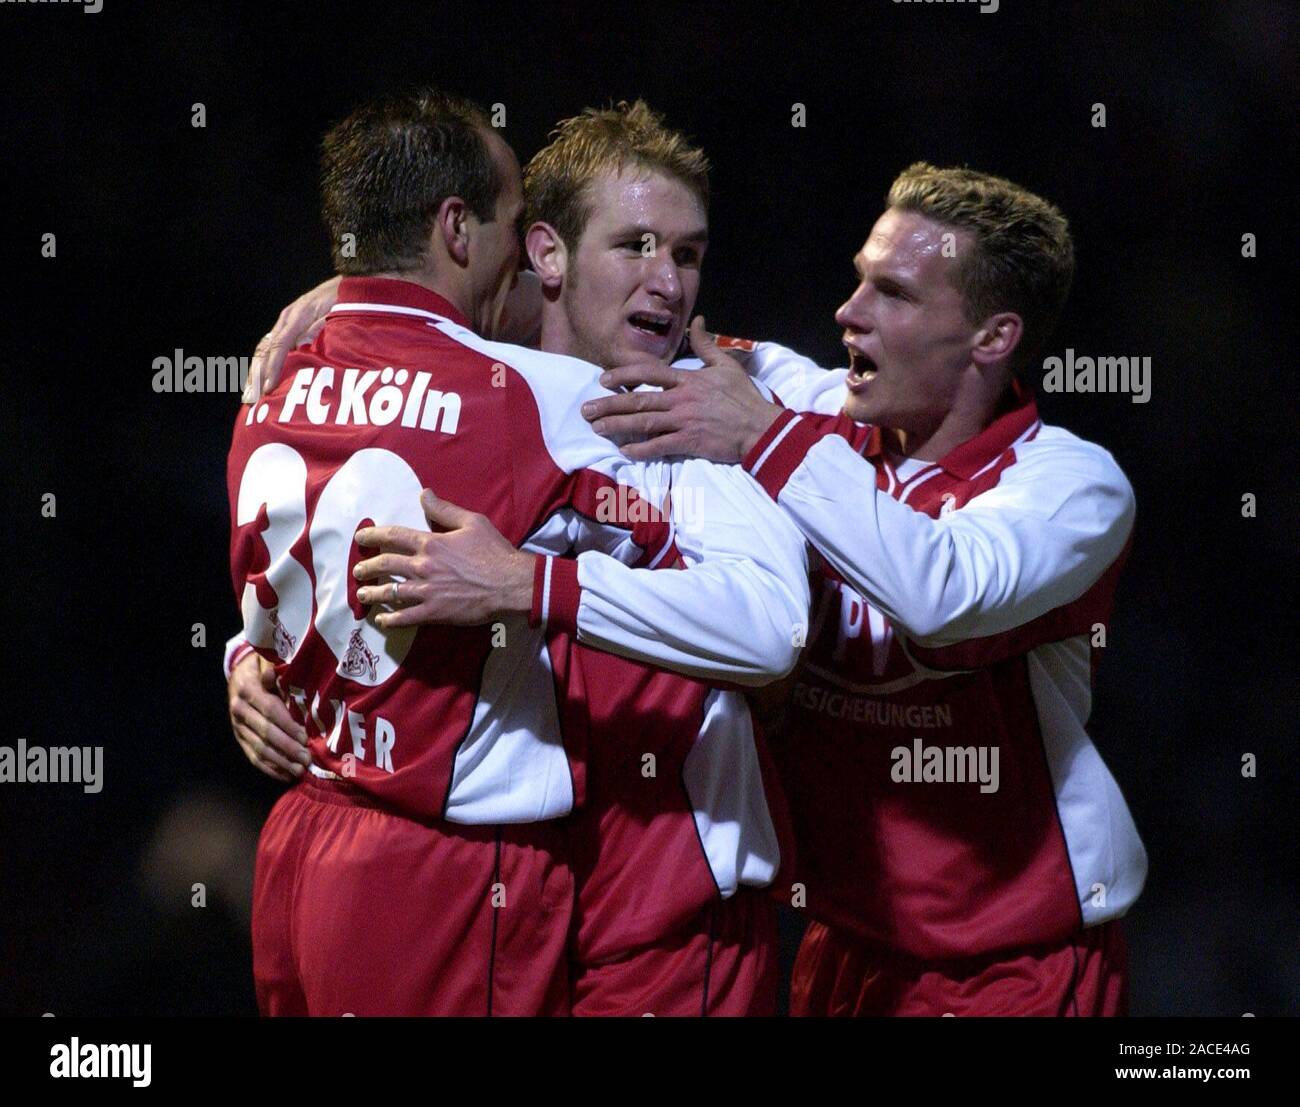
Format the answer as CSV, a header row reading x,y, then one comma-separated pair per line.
x,y
546,590
773,445
668,543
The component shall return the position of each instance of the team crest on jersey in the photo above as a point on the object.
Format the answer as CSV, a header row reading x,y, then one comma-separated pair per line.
x,y
284,641
726,342
360,662
949,502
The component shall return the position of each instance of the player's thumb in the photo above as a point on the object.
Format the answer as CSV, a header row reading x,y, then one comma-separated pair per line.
x,y
703,343
443,514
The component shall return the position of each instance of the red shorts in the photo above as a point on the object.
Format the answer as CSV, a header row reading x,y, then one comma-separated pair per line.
x,y
839,975
721,963
357,910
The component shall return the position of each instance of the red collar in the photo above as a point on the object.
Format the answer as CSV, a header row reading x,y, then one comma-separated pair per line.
x,y
380,291
974,454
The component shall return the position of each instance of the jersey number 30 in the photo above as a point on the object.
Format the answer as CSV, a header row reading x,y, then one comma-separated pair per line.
x,y
275,479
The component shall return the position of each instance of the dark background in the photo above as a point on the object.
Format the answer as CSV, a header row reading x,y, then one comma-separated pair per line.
x,y
170,236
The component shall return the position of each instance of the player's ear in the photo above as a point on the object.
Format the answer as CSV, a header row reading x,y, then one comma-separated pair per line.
x,y
997,338
547,252
451,229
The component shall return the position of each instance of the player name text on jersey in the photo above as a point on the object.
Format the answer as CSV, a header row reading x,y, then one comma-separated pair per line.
x,y
379,730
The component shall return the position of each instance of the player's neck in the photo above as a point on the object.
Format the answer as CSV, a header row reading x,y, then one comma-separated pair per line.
x,y
950,434
557,335
449,290
969,415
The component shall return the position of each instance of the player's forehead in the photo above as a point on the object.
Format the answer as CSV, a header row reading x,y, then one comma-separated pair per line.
x,y
908,241
638,196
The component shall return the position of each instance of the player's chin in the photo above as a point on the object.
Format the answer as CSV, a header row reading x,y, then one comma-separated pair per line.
x,y
862,409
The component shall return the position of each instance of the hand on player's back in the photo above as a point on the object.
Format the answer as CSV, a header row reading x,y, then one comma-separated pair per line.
x,y
714,412
266,732
463,575
298,323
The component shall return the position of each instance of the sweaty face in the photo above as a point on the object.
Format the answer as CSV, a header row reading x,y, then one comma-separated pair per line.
x,y
630,285
497,245
909,342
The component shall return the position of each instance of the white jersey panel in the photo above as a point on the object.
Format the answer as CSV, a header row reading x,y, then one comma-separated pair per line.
x,y
511,767
725,786
1106,853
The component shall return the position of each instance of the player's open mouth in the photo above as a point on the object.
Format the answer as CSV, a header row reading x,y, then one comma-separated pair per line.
x,y
657,325
862,369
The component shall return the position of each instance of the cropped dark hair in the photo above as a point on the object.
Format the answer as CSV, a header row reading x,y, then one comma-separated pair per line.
x,y
387,168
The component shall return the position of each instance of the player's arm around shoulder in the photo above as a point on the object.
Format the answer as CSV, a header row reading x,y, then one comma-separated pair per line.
x,y
739,610
1053,519
1060,517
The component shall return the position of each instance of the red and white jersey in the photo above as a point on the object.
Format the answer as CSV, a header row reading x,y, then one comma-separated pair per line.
x,y
946,797
397,394
682,803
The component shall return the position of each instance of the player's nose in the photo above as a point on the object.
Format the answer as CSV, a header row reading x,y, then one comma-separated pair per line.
x,y
663,279
854,313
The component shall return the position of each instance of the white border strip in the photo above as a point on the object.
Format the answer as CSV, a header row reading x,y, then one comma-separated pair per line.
x,y
762,458
389,308
546,590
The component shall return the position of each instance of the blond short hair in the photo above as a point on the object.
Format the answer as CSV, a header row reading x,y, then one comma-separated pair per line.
x,y
1023,260
599,142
